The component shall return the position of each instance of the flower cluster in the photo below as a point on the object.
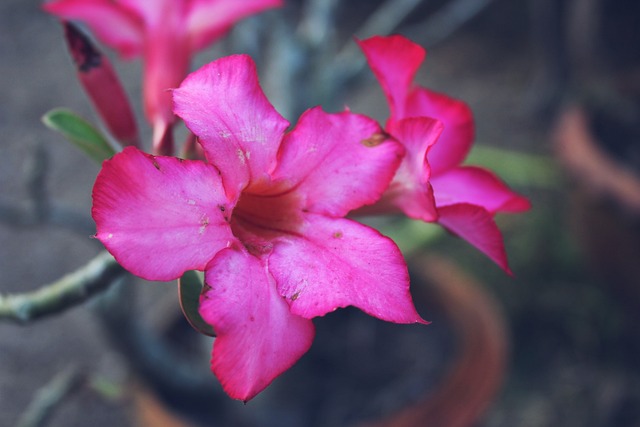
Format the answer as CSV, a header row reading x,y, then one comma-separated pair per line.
x,y
264,213
263,217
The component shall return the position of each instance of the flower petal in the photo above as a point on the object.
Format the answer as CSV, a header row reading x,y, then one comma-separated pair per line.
x,y
335,263
102,85
166,63
339,162
152,12
223,105
209,19
459,129
114,25
410,191
477,186
475,225
394,60
257,337
160,216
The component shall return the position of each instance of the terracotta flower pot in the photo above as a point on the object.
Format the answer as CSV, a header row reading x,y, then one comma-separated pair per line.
x,y
605,211
475,377
472,378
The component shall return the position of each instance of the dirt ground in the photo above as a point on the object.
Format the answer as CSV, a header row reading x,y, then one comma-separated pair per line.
x,y
574,350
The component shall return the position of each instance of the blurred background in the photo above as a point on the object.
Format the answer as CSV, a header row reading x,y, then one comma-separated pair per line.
x,y
555,88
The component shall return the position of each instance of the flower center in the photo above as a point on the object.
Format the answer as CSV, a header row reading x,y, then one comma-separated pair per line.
x,y
264,214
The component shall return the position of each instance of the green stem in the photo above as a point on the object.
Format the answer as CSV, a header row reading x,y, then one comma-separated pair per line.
x,y
49,398
67,292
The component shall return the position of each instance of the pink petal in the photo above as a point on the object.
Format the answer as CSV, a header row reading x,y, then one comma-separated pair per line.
x,y
223,105
459,129
477,186
210,19
153,12
160,216
394,60
410,191
475,225
114,25
257,337
166,63
103,87
338,162
335,263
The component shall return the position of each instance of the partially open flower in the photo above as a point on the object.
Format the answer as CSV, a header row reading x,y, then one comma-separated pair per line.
x,y
437,132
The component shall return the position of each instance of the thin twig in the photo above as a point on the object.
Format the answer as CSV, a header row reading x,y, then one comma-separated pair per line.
x,y
67,292
318,29
383,21
49,398
386,18
41,211
446,21
318,22
285,58
37,182
438,27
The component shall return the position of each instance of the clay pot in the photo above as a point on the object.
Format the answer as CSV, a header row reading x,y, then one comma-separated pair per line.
x,y
472,379
476,375
605,205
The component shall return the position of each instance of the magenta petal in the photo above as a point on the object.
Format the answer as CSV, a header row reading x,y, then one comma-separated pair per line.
x,y
328,158
394,60
112,24
102,85
336,263
410,190
210,19
160,216
257,336
475,225
477,186
166,62
459,129
153,12
223,105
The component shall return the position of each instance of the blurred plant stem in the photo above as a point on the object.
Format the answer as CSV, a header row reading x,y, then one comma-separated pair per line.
x,y
323,68
446,21
40,210
49,397
69,291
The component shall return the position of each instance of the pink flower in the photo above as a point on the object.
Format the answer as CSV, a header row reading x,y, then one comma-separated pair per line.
x,y
433,185
167,33
101,84
263,217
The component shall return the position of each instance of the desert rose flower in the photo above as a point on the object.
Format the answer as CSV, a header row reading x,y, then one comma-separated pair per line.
x,y
263,217
167,33
437,132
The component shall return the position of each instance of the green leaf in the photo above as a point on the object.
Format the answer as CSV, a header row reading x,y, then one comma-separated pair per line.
x,y
107,387
80,132
411,235
516,168
190,288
